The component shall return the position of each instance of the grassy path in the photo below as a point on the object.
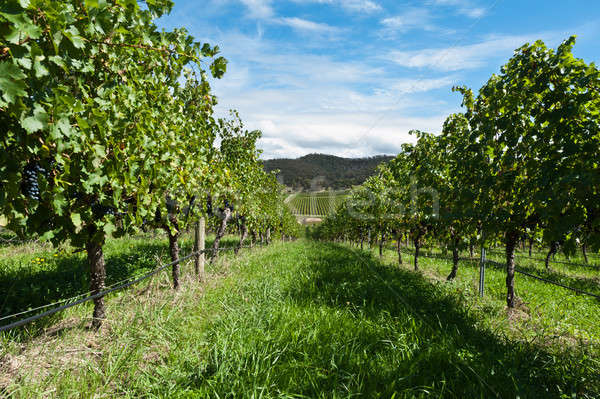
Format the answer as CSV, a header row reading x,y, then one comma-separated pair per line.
x,y
294,320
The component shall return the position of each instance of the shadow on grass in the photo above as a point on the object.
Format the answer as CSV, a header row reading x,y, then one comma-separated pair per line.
x,y
581,283
593,264
588,284
30,287
451,355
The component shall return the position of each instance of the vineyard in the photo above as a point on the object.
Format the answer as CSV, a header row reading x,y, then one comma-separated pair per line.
x,y
146,252
508,171
315,204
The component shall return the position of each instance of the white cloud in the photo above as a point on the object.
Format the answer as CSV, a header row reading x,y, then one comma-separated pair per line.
x,y
409,86
306,103
360,5
306,25
463,7
462,57
262,10
474,12
276,66
259,8
364,6
342,134
341,97
414,18
317,111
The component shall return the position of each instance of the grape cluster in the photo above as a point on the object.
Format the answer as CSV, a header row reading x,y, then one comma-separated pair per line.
x,y
29,184
77,195
188,209
209,210
100,210
171,205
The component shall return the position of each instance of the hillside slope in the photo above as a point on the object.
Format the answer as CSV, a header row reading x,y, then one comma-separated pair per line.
x,y
338,172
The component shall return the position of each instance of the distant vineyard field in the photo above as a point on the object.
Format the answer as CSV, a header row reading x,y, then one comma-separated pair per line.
x,y
315,204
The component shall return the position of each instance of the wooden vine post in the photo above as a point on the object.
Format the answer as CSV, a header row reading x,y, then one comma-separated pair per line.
x,y
199,247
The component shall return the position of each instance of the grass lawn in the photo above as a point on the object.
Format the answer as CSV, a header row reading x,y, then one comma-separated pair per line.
x,y
308,319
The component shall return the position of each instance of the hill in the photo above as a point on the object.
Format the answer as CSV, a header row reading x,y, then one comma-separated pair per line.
x,y
336,172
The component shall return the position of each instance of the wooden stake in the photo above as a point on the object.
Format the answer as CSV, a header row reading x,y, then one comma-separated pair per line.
x,y
199,245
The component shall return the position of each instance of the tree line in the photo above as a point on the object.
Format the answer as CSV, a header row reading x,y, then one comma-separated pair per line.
x,y
519,164
107,127
333,172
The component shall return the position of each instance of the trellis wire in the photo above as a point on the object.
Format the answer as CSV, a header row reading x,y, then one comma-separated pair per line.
x,y
562,262
578,291
103,293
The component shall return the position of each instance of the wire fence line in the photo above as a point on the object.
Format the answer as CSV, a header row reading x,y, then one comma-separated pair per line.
x,y
562,262
499,265
13,240
114,287
558,284
16,241
545,280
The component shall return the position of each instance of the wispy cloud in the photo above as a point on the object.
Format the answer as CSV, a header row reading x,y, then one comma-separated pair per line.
x,y
365,6
355,95
306,25
464,7
262,10
360,5
413,18
408,86
463,57
259,8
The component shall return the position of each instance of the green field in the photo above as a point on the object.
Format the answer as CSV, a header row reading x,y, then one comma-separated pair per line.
x,y
309,319
35,274
316,204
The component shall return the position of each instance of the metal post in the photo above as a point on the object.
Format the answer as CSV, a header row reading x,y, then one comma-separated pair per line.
x,y
482,269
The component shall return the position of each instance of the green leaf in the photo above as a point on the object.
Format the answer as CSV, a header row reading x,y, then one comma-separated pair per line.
x,y
11,84
47,236
59,202
25,62
109,228
58,61
76,219
218,67
38,121
40,70
73,35
22,28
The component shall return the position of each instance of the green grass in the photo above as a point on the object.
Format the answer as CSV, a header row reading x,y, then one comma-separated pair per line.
x,y
306,319
549,314
34,274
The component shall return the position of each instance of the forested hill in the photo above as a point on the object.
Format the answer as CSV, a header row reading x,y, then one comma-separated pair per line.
x,y
339,172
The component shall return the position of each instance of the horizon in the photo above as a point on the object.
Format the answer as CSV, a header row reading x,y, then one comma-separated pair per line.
x,y
330,155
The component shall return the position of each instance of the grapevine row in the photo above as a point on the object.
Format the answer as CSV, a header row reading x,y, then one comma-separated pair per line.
x,y
520,164
107,127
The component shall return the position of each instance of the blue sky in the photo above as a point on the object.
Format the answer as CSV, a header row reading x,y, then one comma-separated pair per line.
x,y
352,77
